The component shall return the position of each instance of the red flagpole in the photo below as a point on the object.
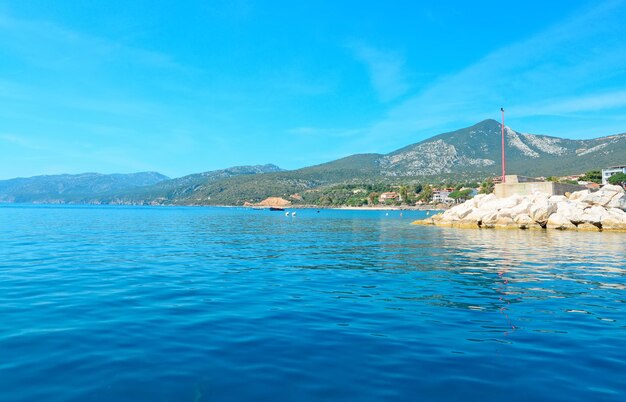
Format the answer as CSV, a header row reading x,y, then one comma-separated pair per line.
x,y
503,156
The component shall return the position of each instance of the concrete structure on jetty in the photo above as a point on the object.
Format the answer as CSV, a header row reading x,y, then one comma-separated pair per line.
x,y
520,185
603,210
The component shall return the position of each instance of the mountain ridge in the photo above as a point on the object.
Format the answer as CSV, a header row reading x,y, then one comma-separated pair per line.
x,y
470,153
72,187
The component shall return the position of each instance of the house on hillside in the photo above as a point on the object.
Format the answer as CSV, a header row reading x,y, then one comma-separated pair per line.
x,y
610,171
442,195
389,196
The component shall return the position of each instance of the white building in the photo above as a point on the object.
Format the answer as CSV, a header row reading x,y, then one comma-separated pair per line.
x,y
610,171
441,195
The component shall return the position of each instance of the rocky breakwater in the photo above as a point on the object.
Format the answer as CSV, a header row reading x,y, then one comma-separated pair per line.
x,y
603,210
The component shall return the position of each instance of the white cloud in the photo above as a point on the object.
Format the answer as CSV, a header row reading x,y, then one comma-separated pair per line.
x,y
386,70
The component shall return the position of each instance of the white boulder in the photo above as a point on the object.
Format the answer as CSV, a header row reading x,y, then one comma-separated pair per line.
x,y
541,210
618,201
558,221
594,215
579,195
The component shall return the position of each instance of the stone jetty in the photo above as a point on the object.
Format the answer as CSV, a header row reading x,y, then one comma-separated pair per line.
x,y
603,210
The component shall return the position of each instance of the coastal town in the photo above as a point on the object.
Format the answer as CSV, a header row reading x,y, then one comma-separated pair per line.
x,y
431,196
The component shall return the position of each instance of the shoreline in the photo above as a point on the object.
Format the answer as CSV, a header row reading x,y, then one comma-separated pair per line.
x,y
390,208
438,207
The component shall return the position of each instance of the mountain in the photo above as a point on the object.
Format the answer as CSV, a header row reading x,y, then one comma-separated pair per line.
x,y
67,187
186,186
471,153
476,150
468,154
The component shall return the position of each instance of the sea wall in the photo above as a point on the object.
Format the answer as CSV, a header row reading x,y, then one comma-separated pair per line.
x,y
603,210
507,189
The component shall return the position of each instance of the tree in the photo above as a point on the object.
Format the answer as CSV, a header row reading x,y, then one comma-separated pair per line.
x,y
486,187
404,193
594,176
418,188
461,194
618,179
427,193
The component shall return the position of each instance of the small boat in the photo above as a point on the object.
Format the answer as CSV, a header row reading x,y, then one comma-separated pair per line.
x,y
293,214
276,209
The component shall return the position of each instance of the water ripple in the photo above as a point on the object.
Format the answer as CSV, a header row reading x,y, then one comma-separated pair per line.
x,y
197,304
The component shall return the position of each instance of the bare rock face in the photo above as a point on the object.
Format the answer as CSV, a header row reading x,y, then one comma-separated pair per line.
x,y
580,210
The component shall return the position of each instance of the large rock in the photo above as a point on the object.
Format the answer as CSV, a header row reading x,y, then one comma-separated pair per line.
x,y
558,221
618,201
619,213
523,208
594,215
615,219
541,209
573,211
612,188
582,210
579,195
523,221
478,199
460,211
481,199
476,216
467,224
489,220
604,196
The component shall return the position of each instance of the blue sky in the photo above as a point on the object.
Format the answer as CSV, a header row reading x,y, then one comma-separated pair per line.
x,y
190,86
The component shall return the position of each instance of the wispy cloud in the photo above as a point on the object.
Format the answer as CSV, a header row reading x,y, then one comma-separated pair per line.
x,y
386,70
559,70
575,104
54,46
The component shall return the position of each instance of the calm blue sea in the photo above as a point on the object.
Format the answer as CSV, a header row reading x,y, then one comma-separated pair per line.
x,y
226,304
